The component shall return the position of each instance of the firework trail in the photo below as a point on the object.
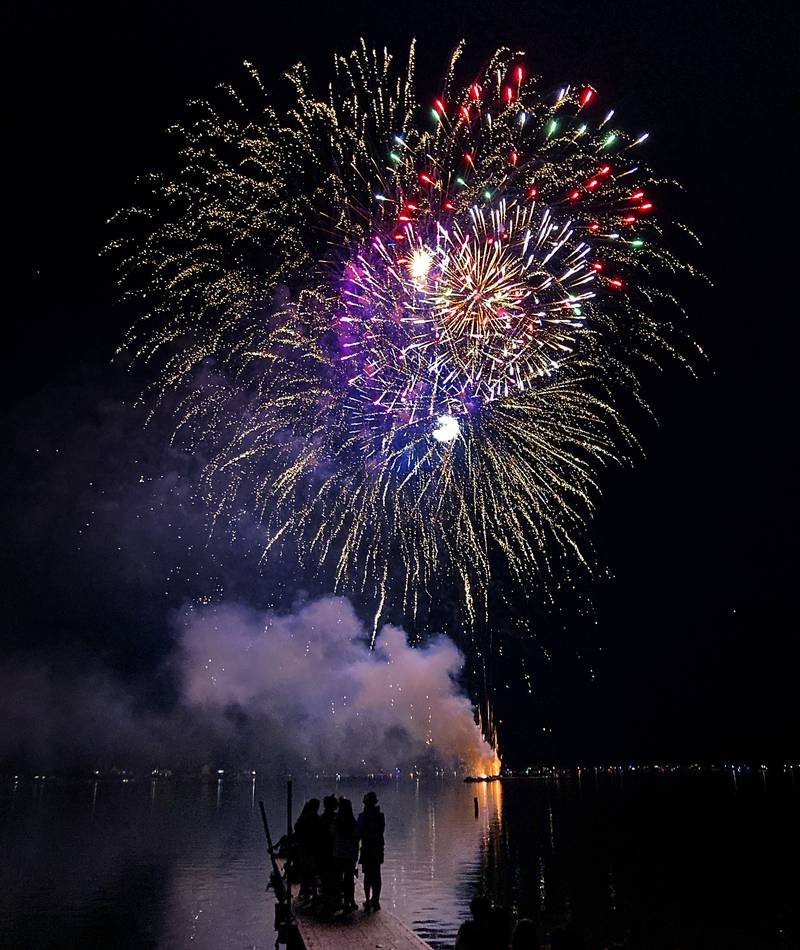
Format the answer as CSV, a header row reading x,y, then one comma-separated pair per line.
x,y
397,330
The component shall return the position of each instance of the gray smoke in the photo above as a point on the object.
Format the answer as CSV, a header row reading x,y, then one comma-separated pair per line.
x,y
311,678
297,690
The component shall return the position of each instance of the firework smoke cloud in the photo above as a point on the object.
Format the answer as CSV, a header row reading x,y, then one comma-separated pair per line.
x,y
309,680
300,691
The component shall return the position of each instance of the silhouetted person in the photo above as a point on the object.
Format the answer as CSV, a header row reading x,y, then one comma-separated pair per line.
x,y
526,936
475,934
371,825
501,924
325,862
306,831
345,852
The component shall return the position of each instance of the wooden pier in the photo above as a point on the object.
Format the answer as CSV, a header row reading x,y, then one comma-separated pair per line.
x,y
360,931
302,929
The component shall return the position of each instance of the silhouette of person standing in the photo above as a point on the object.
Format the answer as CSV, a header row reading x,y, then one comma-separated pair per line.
x,y
325,859
345,852
306,830
371,825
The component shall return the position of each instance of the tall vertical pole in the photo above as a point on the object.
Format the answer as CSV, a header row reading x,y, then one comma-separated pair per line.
x,y
289,838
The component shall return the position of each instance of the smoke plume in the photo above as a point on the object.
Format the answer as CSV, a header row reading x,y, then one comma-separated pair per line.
x,y
295,690
311,681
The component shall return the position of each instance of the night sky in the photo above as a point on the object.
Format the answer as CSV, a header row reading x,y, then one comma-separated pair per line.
x,y
690,648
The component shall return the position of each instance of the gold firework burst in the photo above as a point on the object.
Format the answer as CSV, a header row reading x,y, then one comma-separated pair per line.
x,y
418,317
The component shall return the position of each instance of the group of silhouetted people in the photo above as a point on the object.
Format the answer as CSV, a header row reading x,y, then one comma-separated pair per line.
x,y
492,928
329,846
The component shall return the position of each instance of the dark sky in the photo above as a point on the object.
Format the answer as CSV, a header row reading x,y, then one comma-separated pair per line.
x,y
692,640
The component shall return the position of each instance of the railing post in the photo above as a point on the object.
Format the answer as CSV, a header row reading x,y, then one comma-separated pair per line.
x,y
289,838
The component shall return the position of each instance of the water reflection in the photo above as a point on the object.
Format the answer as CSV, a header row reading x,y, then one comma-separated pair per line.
x,y
170,864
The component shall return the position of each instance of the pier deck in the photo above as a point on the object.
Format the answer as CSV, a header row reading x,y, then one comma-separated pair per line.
x,y
360,931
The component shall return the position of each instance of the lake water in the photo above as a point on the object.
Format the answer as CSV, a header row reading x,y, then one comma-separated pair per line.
x,y
663,860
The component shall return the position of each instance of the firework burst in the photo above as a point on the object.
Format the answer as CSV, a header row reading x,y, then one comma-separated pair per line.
x,y
419,316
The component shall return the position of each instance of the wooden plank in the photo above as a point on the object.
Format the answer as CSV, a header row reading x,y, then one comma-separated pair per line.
x,y
361,931
379,930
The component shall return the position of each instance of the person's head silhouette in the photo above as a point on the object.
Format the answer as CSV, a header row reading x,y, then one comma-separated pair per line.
x,y
480,906
346,810
330,803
